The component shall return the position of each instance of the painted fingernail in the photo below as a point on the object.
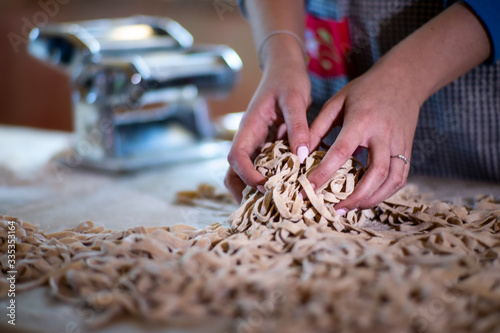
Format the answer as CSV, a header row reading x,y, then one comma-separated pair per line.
x,y
341,211
302,153
261,189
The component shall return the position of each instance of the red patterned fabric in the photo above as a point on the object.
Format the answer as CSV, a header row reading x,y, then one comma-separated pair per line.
x,y
327,43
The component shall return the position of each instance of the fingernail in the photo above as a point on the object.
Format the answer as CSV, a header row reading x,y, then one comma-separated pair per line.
x,y
301,196
302,153
341,211
261,189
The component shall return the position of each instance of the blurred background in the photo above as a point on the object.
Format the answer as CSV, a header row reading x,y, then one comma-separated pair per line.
x,y
36,95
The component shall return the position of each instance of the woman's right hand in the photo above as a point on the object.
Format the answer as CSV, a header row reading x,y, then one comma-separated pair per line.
x,y
278,108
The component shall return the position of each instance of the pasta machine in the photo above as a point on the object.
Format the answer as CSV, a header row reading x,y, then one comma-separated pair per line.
x,y
140,89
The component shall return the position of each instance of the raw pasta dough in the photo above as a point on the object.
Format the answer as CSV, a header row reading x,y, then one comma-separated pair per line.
x,y
406,266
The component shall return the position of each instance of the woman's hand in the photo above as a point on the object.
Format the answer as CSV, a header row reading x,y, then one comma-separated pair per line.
x,y
379,111
278,107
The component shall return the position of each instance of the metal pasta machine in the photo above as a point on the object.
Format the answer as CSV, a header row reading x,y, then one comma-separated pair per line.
x,y
139,89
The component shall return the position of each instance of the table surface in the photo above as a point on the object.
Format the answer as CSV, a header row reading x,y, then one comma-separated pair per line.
x,y
35,188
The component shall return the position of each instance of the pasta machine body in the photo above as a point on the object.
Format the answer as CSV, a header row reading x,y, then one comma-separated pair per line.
x,y
140,89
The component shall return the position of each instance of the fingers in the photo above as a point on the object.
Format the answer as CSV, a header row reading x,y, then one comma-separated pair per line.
x,y
244,168
251,134
294,108
341,150
326,120
398,173
234,184
372,180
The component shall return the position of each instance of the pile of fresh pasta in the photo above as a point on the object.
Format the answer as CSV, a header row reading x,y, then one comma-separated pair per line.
x,y
283,263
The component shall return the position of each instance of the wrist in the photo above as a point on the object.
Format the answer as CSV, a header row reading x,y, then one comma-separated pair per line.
x,y
282,49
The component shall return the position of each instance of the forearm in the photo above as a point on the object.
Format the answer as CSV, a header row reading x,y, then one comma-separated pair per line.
x,y
266,16
448,46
